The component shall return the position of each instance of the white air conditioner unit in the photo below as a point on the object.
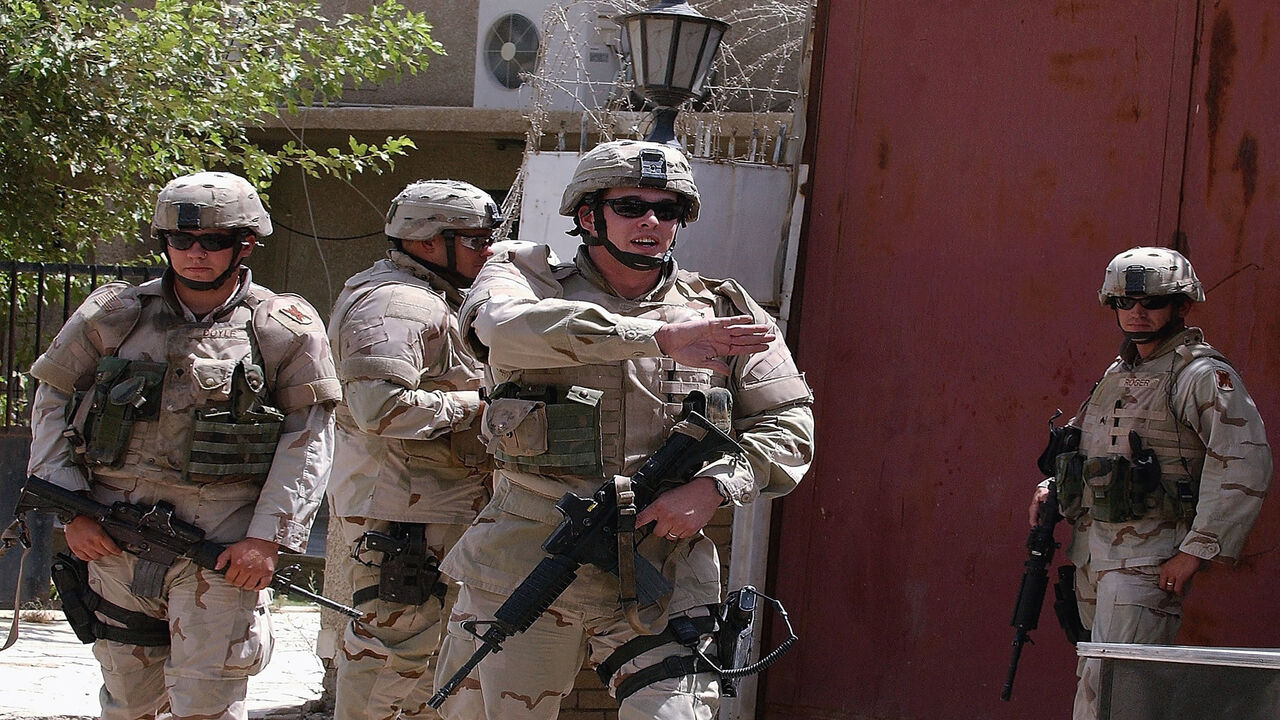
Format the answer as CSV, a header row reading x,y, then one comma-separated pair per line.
x,y
581,59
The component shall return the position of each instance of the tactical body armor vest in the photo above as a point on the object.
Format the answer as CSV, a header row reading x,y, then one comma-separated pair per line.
x,y
1137,399
179,399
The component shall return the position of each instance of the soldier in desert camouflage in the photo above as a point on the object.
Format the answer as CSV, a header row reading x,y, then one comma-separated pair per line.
x,y
1172,466
409,467
213,394
616,339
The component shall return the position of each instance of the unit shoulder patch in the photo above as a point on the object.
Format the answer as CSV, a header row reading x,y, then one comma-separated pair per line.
x,y
1224,380
290,311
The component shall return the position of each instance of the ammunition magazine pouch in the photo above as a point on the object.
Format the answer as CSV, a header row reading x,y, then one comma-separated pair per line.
x,y
1057,461
409,574
82,605
1066,607
1107,479
1185,492
123,392
237,442
545,429
684,631
1125,489
1070,484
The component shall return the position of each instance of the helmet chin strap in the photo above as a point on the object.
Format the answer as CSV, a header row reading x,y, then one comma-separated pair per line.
x,y
202,285
635,261
450,273
1174,325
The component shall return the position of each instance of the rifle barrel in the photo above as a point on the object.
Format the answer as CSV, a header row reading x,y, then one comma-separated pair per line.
x,y
1019,638
289,588
444,691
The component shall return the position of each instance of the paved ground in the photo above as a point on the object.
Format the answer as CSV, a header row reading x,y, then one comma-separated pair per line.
x,y
48,673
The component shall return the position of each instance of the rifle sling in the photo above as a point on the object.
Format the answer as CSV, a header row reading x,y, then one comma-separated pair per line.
x,y
17,604
626,498
15,534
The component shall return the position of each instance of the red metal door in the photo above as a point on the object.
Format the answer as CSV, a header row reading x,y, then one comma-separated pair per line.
x,y
974,167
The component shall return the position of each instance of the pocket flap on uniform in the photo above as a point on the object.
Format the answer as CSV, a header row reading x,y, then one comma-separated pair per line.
x,y
517,427
213,374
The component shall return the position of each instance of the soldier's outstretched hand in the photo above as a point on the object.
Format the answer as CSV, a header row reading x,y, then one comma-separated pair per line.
x,y
702,342
249,563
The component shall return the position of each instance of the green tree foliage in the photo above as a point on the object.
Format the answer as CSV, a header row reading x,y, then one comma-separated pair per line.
x,y
102,102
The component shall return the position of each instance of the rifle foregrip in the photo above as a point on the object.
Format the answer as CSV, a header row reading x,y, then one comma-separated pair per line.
x,y
205,553
1026,611
535,594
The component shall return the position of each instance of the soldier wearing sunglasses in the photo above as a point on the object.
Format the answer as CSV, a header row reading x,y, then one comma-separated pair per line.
x,y
207,391
1171,467
409,470
587,365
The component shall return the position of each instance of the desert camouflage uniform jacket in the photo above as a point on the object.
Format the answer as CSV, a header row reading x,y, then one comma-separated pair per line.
x,y
407,449
147,323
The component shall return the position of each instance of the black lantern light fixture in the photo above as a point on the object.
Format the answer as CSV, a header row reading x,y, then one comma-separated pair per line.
x,y
672,49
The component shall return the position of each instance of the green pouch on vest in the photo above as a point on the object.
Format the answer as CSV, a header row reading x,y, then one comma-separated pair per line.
x,y
1069,473
1108,481
558,433
123,392
237,442
227,448
1182,493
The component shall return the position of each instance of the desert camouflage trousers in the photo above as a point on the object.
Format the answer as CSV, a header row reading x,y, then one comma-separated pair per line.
x,y
386,662
536,669
220,635
1120,606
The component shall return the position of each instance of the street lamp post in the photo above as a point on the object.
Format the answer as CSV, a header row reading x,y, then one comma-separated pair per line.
x,y
672,48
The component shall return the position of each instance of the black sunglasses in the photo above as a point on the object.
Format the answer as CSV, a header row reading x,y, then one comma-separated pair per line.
x,y
470,242
664,210
1151,303
215,242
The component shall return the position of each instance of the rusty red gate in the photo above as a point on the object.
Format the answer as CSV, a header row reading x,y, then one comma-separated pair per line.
x,y
974,167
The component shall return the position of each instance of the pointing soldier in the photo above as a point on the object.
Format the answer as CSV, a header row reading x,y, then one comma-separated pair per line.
x,y
615,340
409,471
1172,465
212,393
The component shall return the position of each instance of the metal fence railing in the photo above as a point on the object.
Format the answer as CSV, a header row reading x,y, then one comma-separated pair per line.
x,y
35,301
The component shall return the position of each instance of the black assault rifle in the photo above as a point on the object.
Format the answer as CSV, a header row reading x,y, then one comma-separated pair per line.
x,y
1040,546
588,533
152,533
1035,581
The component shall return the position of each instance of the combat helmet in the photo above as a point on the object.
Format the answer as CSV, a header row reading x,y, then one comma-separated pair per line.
x,y
210,201
1147,271
621,164
631,163
427,208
